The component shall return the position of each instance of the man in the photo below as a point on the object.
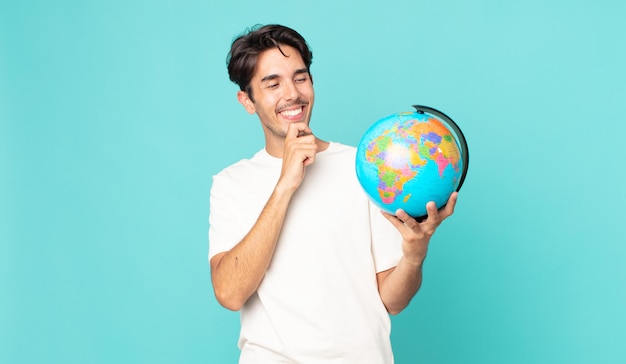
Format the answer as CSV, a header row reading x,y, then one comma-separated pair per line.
x,y
294,242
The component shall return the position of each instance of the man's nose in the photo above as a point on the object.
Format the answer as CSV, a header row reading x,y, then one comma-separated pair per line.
x,y
291,91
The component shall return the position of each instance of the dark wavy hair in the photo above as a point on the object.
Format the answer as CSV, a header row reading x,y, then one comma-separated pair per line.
x,y
245,51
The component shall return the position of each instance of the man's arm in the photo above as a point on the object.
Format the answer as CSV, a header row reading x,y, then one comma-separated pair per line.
x,y
398,285
237,273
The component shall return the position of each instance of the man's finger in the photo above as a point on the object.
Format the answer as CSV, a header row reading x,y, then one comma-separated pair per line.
x,y
433,214
449,208
410,222
395,221
297,129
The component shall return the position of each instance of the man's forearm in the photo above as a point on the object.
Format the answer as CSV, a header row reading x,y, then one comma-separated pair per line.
x,y
398,287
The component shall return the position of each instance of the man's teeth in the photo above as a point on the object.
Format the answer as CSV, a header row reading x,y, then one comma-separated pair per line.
x,y
292,112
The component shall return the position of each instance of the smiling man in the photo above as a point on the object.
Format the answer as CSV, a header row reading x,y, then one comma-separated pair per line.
x,y
294,244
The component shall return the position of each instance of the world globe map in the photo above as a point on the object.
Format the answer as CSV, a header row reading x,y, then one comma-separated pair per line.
x,y
407,159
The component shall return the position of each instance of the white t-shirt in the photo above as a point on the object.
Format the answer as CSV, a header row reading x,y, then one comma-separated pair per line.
x,y
318,301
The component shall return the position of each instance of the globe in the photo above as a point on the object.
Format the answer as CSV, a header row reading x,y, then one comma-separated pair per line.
x,y
407,159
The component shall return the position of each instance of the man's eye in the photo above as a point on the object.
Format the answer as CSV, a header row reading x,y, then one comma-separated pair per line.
x,y
272,86
300,80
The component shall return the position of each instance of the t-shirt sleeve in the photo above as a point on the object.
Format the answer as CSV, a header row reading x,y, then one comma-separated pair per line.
x,y
386,241
223,234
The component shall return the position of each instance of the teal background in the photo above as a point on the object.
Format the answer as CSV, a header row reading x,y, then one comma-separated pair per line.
x,y
114,116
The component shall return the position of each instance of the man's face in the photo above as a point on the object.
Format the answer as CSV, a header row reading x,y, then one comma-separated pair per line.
x,y
282,90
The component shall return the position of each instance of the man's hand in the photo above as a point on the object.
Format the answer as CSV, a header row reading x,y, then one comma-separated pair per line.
x,y
416,235
299,151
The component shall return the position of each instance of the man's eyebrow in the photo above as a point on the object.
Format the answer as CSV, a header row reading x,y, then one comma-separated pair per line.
x,y
269,77
275,76
301,71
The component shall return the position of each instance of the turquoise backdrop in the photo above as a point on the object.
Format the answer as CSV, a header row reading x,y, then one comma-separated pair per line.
x,y
115,114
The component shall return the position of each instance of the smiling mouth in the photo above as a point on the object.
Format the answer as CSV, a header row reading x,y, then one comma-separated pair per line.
x,y
293,112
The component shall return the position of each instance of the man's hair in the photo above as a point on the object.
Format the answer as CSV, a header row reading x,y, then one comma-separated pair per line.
x,y
245,51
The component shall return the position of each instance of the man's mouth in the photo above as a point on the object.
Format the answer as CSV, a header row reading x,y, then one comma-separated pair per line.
x,y
292,112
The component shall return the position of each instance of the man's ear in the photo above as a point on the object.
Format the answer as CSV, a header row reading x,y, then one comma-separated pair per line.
x,y
244,100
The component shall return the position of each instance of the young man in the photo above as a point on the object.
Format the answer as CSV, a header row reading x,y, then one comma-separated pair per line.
x,y
294,243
